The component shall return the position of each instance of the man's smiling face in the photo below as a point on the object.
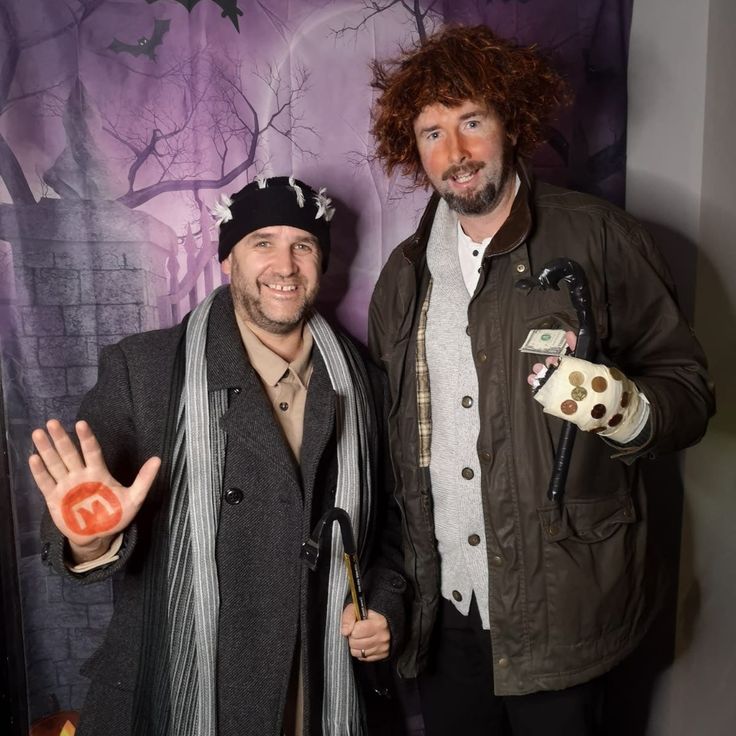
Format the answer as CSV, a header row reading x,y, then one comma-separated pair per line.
x,y
466,155
274,277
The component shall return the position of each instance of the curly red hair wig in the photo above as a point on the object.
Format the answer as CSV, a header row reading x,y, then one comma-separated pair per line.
x,y
455,65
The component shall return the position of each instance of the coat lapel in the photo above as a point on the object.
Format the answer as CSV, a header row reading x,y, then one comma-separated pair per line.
x,y
319,420
248,421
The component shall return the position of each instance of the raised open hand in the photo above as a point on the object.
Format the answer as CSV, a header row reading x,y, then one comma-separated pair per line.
x,y
88,506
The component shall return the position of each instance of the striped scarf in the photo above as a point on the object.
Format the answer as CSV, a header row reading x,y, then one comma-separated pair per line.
x,y
180,699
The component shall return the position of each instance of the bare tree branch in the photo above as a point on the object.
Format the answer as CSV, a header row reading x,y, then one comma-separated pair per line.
x,y
231,121
372,8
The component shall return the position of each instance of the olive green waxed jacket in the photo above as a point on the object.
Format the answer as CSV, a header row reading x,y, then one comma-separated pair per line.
x,y
567,596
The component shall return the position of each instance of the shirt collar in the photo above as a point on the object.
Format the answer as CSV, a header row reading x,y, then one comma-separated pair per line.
x,y
272,367
465,242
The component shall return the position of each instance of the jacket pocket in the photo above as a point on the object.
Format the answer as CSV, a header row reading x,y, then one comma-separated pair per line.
x,y
560,320
557,318
593,565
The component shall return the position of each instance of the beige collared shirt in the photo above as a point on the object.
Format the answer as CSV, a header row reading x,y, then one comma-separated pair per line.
x,y
285,383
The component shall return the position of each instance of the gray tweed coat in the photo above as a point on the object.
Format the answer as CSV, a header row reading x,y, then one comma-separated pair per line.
x,y
270,602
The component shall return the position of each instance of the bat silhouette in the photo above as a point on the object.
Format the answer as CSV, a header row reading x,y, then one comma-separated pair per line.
x,y
229,9
144,46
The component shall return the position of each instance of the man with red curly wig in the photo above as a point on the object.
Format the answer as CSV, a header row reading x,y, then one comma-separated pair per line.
x,y
520,604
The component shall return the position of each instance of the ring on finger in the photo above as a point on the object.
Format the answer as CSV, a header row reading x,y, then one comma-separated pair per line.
x,y
363,654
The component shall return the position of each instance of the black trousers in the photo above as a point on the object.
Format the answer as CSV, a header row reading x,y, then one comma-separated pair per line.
x,y
457,697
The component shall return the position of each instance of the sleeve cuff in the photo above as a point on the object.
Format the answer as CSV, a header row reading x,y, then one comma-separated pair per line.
x,y
110,556
629,431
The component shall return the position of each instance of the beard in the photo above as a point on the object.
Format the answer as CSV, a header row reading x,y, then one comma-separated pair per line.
x,y
248,303
486,199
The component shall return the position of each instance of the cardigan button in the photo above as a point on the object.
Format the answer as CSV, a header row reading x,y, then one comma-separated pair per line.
x,y
233,496
457,595
468,473
473,540
467,402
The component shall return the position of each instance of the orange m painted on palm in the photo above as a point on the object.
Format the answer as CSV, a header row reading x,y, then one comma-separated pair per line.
x,y
91,508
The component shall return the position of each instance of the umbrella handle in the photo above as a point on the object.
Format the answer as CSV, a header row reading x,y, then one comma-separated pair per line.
x,y
573,274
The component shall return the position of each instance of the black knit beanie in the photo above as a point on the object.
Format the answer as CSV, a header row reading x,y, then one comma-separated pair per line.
x,y
280,200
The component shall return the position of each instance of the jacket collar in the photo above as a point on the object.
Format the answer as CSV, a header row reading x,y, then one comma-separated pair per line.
x,y
518,224
227,362
415,246
511,234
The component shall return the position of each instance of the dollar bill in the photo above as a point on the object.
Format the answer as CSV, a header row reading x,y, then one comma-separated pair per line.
x,y
545,342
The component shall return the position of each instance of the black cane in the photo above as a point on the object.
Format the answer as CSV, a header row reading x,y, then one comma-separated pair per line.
x,y
310,554
572,273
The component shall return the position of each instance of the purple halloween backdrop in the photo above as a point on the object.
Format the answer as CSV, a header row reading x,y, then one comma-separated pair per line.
x,y
120,123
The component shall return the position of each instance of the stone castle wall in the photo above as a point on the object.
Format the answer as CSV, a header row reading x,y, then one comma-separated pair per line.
x,y
69,297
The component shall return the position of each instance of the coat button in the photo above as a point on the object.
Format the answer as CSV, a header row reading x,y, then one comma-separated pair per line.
x,y
503,662
482,356
233,496
467,401
236,391
45,552
485,456
467,329
468,473
520,267
473,540
497,560
457,595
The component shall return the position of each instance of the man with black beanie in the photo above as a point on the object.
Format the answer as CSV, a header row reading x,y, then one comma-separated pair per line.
x,y
208,452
